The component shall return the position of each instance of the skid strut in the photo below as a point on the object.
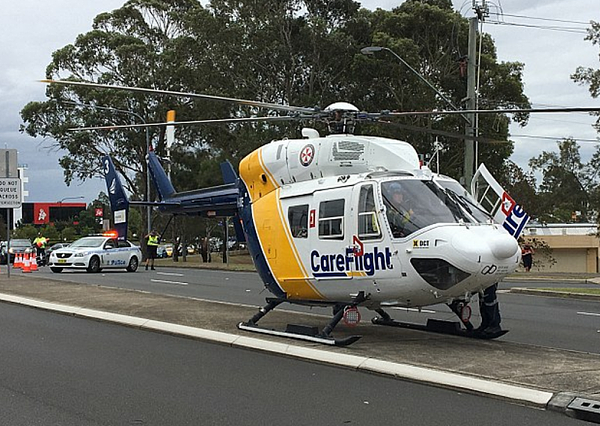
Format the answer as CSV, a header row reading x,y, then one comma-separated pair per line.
x,y
302,332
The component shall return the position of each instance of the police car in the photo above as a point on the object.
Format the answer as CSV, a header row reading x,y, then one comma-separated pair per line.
x,y
95,253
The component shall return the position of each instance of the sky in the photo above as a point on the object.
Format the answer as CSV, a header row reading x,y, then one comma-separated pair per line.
x,y
31,30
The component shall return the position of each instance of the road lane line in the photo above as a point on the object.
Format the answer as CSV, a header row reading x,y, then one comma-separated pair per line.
x,y
590,314
169,282
173,274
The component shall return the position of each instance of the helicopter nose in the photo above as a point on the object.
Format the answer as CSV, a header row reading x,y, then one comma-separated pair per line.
x,y
503,246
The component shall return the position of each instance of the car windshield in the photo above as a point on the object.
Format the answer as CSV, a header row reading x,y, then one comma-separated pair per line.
x,y
20,243
91,242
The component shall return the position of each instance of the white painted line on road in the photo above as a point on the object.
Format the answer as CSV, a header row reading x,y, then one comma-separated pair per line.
x,y
404,371
591,314
173,274
169,282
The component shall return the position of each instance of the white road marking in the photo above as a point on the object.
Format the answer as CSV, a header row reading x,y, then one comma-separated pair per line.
x,y
168,282
590,314
173,274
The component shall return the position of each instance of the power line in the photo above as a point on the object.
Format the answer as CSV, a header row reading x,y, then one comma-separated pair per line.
x,y
540,27
554,138
540,19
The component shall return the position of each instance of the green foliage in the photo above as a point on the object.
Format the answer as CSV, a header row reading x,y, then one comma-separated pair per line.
x,y
568,185
299,52
542,256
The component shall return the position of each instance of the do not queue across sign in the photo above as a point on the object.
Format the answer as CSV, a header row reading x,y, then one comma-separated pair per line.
x,y
10,193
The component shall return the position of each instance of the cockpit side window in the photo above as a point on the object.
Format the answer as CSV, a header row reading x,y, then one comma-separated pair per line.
x,y
298,220
368,225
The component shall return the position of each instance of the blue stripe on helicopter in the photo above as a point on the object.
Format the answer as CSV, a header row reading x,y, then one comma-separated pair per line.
x,y
260,261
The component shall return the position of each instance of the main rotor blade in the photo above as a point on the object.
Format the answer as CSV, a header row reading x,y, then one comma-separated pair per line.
x,y
268,105
184,123
445,133
495,111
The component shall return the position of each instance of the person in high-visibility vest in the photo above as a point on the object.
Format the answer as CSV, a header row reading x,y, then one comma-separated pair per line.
x,y
40,246
152,244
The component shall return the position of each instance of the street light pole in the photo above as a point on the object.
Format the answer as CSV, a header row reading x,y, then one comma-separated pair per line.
x,y
80,197
123,111
470,129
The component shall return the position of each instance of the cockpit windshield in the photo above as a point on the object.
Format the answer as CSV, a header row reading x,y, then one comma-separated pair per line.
x,y
467,201
415,204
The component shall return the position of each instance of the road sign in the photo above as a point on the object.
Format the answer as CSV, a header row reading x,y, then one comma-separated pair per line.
x,y
10,193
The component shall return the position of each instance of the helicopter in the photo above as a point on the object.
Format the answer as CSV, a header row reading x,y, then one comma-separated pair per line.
x,y
347,221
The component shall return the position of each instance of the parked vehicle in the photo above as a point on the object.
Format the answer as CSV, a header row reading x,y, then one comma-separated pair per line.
x,y
161,252
96,253
16,246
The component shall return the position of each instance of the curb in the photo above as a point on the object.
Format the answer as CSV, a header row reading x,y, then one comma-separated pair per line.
x,y
553,293
444,379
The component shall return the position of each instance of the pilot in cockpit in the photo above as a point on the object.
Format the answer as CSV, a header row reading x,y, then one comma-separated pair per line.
x,y
398,210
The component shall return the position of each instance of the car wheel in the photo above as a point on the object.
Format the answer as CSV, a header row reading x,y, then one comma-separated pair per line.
x,y
133,264
57,270
94,265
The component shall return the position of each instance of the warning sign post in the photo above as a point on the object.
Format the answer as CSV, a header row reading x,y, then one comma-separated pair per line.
x,y
10,193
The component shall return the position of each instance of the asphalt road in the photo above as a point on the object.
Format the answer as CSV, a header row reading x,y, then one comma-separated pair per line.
x,y
536,320
61,370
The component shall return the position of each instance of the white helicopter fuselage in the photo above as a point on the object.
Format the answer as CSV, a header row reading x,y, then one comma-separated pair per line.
x,y
322,225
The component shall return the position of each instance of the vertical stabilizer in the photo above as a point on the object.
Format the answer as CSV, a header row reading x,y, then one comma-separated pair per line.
x,y
228,172
498,203
163,185
119,204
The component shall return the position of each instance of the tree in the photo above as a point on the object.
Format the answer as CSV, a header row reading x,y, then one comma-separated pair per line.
x,y
299,52
436,52
566,183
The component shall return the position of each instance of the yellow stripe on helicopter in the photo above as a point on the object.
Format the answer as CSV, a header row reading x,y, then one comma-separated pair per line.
x,y
272,230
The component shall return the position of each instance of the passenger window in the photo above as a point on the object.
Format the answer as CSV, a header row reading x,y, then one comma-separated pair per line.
x,y
368,225
331,219
298,220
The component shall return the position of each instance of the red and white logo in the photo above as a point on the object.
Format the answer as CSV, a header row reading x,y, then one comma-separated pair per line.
x,y
307,155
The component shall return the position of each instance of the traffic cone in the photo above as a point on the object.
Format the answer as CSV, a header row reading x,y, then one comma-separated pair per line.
x,y
33,263
26,267
17,263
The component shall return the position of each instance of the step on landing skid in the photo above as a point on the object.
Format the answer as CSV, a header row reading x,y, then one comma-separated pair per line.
x,y
302,332
440,326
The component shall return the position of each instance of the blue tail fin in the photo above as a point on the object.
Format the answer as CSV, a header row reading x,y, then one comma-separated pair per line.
x,y
159,177
119,204
229,174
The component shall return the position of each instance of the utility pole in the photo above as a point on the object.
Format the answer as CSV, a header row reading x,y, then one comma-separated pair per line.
x,y
481,12
470,129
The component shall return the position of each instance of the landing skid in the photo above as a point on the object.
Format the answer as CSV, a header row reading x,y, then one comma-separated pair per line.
x,y
302,332
316,337
440,326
